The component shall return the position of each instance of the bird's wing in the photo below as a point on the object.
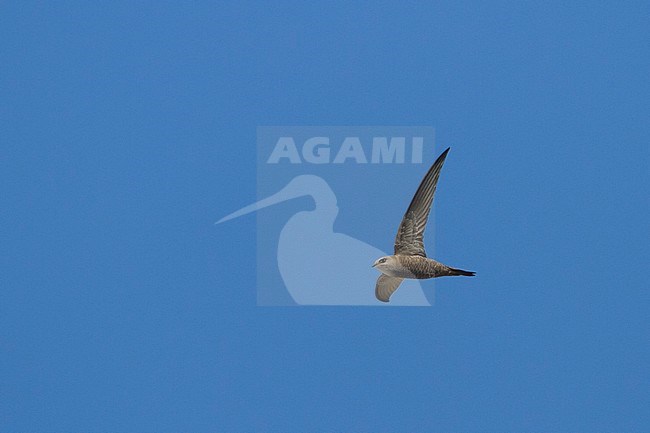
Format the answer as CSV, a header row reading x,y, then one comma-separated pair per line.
x,y
409,239
386,286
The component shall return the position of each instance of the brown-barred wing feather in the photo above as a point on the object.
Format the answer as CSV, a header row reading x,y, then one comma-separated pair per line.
x,y
409,239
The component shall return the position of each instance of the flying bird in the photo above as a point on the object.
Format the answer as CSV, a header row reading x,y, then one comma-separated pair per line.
x,y
410,259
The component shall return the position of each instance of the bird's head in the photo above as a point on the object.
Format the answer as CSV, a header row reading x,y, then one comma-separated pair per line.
x,y
385,263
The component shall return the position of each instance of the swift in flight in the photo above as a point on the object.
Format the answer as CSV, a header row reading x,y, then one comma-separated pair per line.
x,y
410,260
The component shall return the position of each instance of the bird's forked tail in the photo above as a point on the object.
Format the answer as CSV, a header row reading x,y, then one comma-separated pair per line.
x,y
454,272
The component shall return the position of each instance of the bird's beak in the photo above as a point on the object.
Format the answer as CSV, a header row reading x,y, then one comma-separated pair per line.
x,y
280,196
374,264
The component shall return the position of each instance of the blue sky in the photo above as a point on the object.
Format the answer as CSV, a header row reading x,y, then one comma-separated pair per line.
x,y
129,128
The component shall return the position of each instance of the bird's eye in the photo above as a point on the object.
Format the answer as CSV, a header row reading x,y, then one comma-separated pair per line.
x,y
382,260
